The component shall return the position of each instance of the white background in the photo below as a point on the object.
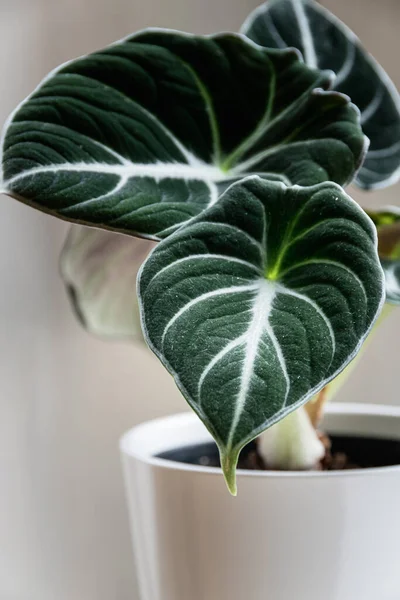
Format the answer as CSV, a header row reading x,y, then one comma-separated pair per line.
x,y
66,397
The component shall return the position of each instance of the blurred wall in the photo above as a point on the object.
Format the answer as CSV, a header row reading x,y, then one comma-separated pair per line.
x,y
66,397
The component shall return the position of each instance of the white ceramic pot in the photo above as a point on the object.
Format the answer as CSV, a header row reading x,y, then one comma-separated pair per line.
x,y
287,536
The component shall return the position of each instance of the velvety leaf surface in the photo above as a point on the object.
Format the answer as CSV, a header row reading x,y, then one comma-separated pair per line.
x,y
142,136
99,269
325,42
259,302
387,221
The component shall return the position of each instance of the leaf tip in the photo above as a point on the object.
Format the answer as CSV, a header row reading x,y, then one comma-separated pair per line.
x,y
228,464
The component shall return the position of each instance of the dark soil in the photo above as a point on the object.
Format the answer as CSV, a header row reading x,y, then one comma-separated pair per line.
x,y
342,452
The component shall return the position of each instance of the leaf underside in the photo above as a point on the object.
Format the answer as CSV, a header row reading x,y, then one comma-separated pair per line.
x,y
99,269
145,134
259,302
325,42
387,221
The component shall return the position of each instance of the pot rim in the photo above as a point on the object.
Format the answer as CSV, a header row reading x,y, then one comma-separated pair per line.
x,y
134,443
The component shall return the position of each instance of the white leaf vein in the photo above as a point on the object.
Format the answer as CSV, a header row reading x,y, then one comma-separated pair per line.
x,y
206,296
207,257
334,263
259,323
310,55
283,290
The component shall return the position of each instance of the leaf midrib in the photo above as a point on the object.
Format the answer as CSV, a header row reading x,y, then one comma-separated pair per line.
x,y
204,92
259,130
273,273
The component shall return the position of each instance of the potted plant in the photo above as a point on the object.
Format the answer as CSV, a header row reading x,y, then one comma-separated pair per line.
x,y
228,156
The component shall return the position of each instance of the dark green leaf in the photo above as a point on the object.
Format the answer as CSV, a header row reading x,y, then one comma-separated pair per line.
x,y
142,136
325,42
259,302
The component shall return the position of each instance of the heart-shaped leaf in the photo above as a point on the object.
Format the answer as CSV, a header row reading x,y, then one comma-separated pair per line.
x,y
99,269
325,42
259,302
387,221
145,134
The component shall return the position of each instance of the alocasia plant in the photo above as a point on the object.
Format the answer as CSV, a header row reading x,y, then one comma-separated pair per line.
x,y
267,279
